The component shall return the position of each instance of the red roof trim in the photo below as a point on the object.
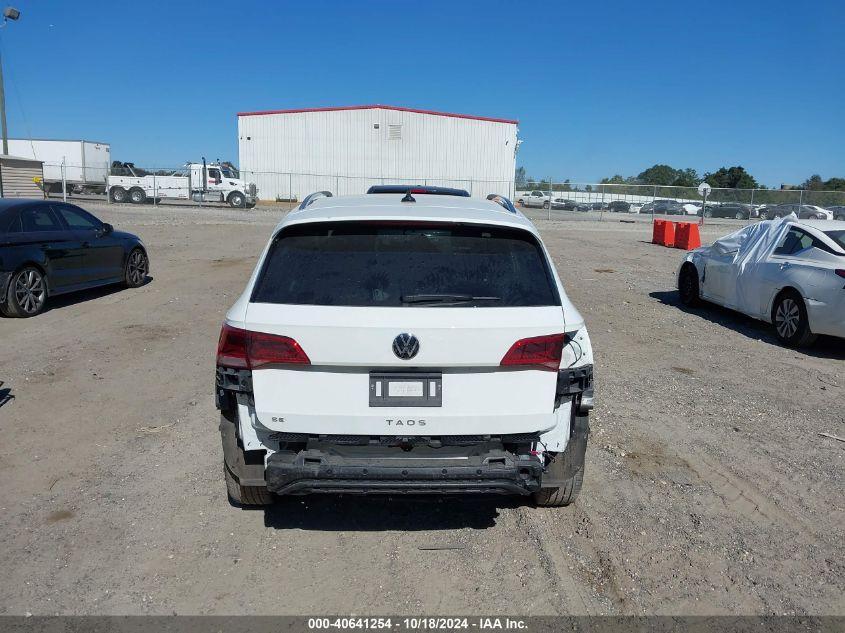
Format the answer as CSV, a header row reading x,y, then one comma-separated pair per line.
x,y
381,107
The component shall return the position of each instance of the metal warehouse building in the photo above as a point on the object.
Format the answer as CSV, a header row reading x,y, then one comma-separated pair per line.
x,y
291,153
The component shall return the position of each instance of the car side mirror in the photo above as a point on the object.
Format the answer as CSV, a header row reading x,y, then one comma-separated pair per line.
x,y
106,229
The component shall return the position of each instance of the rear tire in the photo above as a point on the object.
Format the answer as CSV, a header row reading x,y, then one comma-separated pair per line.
x,y
563,496
567,467
117,194
708,214
546,205
789,316
246,495
137,196
26,295
688,286
739,215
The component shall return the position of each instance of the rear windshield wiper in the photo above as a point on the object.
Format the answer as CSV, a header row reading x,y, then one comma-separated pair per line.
x,y
445,298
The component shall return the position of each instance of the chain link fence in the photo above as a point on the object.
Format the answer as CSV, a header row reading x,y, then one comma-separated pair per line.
x,y
163,184
549,198
565,199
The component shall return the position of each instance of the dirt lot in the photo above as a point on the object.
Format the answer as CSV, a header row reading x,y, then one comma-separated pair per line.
x,y
708,488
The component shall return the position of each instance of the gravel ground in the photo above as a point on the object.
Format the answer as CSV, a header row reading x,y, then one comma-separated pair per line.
x,y
708,489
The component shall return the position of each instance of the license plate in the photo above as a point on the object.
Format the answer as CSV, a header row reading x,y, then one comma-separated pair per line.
x,y
406,389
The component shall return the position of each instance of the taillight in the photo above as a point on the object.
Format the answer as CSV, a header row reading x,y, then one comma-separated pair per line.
x,y
840,272
269,349
231,348
541,351
244,349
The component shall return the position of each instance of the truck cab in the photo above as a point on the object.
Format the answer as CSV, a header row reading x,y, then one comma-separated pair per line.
x,y
214,182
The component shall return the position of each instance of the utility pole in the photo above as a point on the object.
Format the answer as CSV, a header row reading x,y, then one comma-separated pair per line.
x,y
3,111
9,13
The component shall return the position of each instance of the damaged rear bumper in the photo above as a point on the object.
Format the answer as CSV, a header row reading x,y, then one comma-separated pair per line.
x,y
390,470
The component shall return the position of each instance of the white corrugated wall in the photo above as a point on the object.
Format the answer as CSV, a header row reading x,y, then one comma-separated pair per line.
x,y
345,151
19,178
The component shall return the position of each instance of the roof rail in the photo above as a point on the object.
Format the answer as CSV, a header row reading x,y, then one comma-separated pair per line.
x,y
503,202
311,197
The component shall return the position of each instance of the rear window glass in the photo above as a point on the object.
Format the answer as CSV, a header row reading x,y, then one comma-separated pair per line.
x,y
405,264
837,236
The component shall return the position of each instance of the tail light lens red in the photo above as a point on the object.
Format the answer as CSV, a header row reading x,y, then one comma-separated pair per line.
x,y
840,272
244,349
540,351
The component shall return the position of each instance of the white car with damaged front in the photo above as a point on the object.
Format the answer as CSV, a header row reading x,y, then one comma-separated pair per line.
x,y
787,272
393,344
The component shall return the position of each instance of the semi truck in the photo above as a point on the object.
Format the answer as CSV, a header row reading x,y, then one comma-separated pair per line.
x,y
82,165
201,182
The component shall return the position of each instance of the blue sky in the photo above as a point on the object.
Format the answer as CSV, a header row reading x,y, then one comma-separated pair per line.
x,y
598,88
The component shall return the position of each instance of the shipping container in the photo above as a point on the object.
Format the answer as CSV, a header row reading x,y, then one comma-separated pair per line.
x,y
86,163
291,153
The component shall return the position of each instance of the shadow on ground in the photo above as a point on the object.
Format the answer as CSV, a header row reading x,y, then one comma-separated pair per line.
x,y
825,346
73,298
333,513
5,395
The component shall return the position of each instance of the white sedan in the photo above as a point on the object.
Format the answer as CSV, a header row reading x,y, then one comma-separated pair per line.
x,y
787,272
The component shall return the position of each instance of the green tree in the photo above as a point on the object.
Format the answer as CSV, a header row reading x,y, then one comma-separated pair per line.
x,y
613,180
686,178
731,178
662,175
814,182
834,184
520,176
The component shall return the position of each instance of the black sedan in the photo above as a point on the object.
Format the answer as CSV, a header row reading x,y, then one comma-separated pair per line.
x,y
735,210
51,248
620,206
565,204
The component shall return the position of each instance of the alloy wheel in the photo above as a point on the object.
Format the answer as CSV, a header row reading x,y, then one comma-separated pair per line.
x,y
137,267
787,318
30,290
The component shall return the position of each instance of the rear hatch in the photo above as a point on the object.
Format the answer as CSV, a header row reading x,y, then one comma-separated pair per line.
x,y
405,328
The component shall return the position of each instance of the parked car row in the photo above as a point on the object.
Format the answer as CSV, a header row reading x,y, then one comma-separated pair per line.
x,y
734,210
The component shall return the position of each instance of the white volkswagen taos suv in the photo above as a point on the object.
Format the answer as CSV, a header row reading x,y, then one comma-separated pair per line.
x,y
404,341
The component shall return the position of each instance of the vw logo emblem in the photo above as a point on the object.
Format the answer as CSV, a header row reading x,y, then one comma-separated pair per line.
x,y
406,346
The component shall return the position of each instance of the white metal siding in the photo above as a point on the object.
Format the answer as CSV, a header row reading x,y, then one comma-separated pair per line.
x,y
18,178
346,151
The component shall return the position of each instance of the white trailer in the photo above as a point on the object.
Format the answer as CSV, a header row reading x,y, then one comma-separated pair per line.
x,y
83,165
201,182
